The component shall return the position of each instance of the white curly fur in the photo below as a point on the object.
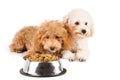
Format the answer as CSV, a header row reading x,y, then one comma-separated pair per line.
x,y
81,25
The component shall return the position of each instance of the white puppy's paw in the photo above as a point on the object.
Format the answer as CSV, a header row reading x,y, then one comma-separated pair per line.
x,y
68,55
82,57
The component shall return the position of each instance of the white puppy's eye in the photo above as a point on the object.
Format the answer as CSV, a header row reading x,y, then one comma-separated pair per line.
x,y
77,23
86,23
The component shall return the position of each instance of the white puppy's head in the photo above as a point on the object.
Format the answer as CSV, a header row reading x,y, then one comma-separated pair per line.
x,y
80,23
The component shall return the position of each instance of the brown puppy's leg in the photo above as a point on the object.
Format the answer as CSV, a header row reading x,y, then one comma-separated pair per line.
x,y
17,46
28,54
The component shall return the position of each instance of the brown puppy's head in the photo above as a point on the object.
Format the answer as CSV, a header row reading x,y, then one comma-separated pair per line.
x,y
52,36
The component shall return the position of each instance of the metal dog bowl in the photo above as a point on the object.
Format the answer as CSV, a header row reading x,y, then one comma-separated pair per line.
x,y
43,69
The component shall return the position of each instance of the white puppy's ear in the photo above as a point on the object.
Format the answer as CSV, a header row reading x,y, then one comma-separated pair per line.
x,y
90,34
65,19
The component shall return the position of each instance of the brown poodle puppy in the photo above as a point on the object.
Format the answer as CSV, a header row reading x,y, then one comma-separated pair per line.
x,y
52,36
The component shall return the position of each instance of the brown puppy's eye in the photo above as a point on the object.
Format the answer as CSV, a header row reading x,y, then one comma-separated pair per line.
x,y
77,23
47,37
57,37
86,23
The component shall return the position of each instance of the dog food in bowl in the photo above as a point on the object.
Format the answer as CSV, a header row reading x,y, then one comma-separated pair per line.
x,y
44,57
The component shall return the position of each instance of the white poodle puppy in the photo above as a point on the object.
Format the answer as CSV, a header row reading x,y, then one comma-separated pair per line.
x,y
80,23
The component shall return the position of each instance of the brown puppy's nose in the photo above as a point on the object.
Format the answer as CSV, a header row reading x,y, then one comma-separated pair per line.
x,y
52,48
83,31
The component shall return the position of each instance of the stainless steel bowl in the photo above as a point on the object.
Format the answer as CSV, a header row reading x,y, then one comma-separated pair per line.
x,y
43,69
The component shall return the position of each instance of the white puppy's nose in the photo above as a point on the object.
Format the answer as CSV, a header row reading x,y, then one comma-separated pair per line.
x,y
84,31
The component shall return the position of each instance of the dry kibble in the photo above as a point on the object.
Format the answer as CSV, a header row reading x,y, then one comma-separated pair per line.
x,y
43,57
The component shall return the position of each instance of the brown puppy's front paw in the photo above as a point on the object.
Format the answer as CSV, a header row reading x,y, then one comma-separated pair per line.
x,y
26,56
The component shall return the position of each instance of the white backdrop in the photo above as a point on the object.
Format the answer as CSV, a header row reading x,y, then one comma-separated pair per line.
x,y
104,61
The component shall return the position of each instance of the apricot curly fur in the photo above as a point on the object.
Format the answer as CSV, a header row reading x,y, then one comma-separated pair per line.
x,y
52,36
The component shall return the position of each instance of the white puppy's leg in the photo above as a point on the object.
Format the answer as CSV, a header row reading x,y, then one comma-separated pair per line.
x,y
68,55
82,55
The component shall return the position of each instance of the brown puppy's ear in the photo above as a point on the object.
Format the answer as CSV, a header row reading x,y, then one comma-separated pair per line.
x,y
37,46
67,43
67,39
